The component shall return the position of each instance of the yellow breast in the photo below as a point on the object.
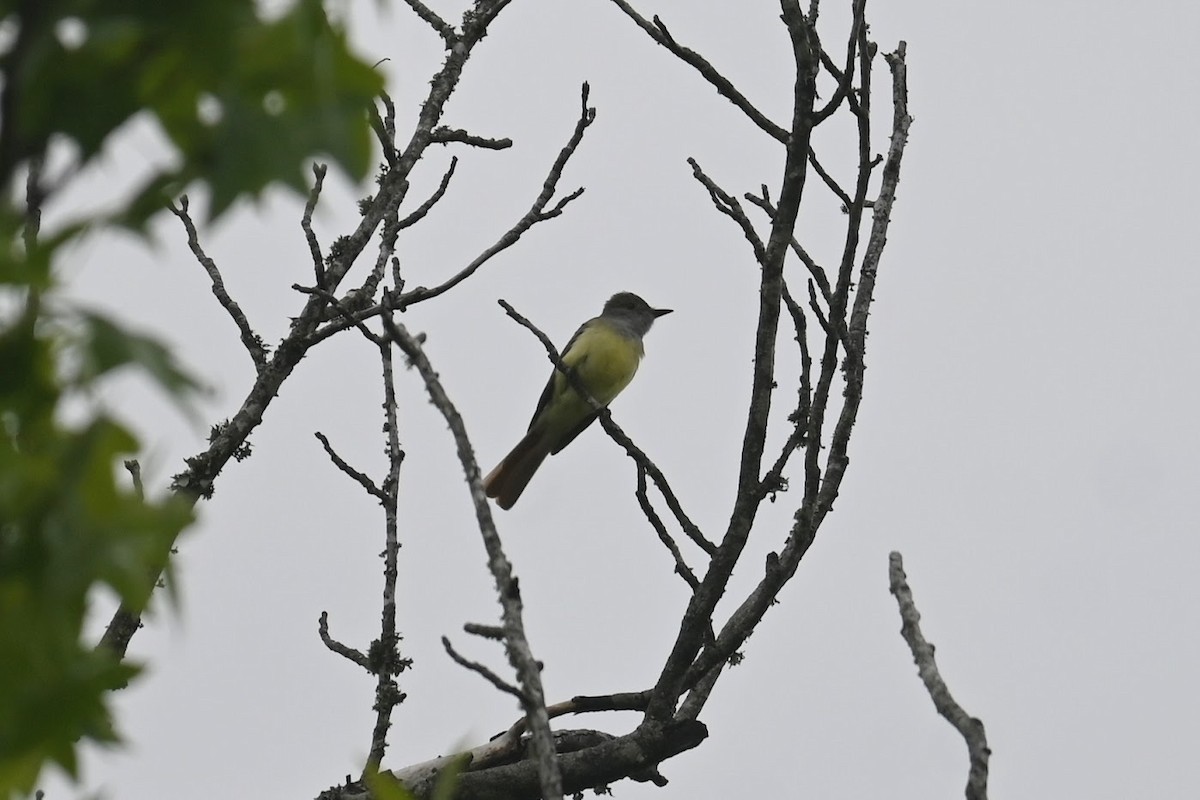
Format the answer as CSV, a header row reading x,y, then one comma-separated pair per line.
x,y
605,360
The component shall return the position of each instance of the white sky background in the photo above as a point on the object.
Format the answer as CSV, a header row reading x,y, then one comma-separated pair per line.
x,y
1027,437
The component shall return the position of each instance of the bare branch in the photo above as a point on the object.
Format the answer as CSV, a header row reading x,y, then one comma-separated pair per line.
x,y
485,631
728,205
681,567
821,490
314,247
537,213
520,655
385,128
35,195
830,182
695,629
856,330
840,77
250,340
198,478
659,33
814,269
419,213
844,83
476,667
385,650
970,728
446,135
358,477
443,28
134,468
342,650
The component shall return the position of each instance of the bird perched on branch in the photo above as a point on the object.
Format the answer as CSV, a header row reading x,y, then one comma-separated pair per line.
x,y
603,355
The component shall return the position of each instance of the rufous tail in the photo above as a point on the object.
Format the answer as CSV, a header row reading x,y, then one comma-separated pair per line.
x,y
510,477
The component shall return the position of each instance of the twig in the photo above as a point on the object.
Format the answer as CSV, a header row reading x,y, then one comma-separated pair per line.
x,y
830,182
681,567
385,128
537,213
840,76
342,650
134,467
314,247
659,33
361,479
444,29
387,656
763,201
485,631
821,490
476,667
728,205
682,667
847,79
520,655
198,478
250,340
35,195
446,135
856,330
419,213
348,318
970,728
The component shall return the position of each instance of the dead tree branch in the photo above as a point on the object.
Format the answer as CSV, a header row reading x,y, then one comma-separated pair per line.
x,y
520,655
970,728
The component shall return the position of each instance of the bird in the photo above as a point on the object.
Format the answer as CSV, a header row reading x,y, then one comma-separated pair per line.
x,y
603,355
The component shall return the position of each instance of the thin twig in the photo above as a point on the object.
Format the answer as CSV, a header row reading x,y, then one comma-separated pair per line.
x,y
681,567
342,650
446,135
970,728
197,480
35,195
847,79
728,205
476,667
820,493
385,128
520,654
419,213
444,29
682,666
134,467
537,213
657,31
385,649
250,340
360,478
763,201
830,182
486,631
314,247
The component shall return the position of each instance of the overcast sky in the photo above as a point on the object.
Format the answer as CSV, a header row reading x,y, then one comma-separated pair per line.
x,y
1027,438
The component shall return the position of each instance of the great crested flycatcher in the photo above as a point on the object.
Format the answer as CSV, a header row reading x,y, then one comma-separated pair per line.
x,y
603,355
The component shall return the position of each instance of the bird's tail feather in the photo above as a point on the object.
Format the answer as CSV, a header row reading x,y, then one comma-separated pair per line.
x,y
512,475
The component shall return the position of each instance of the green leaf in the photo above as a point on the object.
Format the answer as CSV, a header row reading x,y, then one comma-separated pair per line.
x,y
245,102
105,345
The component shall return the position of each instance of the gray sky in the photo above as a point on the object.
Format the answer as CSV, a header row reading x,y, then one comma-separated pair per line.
x,y
1025,438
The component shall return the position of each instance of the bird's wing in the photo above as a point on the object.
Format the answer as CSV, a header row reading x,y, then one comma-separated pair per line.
x,y
548,392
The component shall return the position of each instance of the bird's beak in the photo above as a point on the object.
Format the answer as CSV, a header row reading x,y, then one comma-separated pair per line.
x,y
658,312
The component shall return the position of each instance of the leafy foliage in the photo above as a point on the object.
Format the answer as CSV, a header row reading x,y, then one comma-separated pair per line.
x,y
245,102
66,526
